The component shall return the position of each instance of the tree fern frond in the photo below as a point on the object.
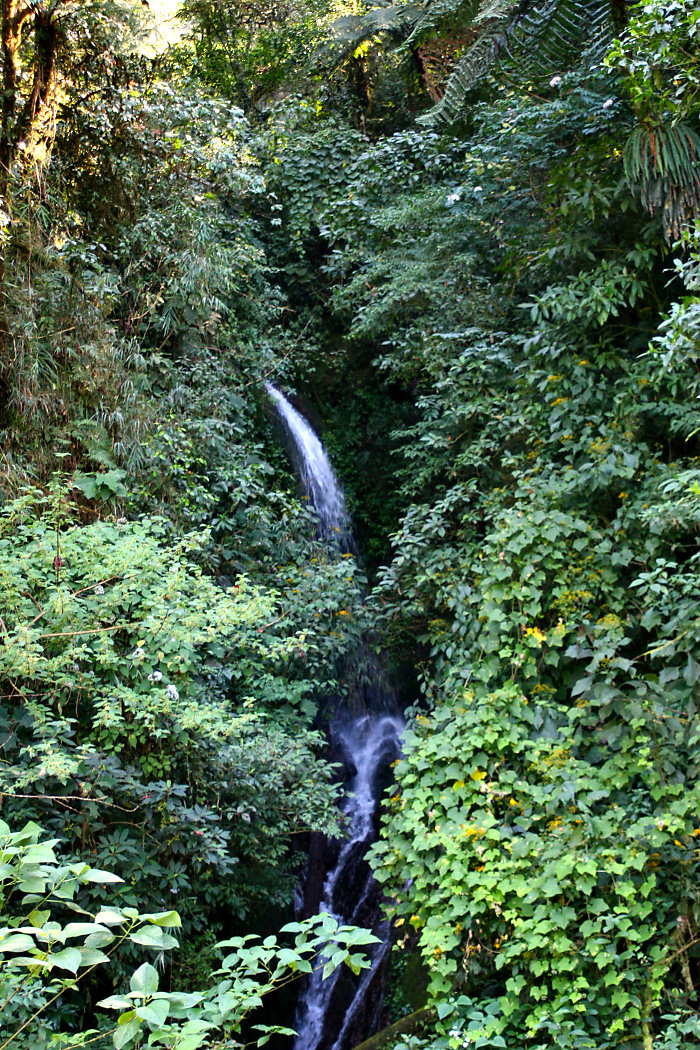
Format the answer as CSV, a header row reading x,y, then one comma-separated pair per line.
x,y
350,31
438,58
662,166
540,37
434,14
469,70
554,33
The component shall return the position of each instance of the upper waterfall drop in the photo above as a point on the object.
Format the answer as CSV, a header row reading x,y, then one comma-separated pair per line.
x,y
314,466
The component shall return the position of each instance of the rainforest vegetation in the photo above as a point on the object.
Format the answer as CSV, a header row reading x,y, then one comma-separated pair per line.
x,y
466,235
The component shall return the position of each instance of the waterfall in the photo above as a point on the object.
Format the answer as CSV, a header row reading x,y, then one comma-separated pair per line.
x,y
314,466
343,1010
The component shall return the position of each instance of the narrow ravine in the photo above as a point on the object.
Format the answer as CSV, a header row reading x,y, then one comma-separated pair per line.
x,y
339,1012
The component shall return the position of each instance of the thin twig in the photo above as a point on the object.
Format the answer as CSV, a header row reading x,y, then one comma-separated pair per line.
x,y
72,798
95,1039
93,630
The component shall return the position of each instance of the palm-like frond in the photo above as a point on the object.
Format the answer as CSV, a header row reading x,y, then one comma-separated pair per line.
x,y
662,165
435,14
350,31
539,37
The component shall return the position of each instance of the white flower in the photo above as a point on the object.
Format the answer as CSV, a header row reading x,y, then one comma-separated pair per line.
x,y
608,103
555,82
452,197
138,653
172,693
99,589
156,676
245,817
121,521
478,189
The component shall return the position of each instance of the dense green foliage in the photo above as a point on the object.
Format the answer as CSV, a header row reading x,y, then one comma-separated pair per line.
x,y
541,845
169,623
44,960
496,323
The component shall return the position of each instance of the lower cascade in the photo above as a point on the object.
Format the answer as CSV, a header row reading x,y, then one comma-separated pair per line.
x,y
341,1011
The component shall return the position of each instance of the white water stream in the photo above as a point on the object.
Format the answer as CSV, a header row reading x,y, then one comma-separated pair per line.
x,y
370,742
314,466
328,1014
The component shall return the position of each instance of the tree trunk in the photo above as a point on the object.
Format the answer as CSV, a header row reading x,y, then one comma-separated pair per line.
x,y
412,1024
45,39
618,9
11,26
359,83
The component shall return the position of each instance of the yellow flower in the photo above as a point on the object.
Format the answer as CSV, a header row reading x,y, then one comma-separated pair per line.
x,y
471,833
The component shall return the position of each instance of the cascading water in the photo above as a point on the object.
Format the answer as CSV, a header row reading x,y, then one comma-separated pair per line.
x,y
336,1013
340,1012
314,466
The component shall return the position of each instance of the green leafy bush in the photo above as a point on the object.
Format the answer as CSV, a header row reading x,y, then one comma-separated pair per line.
x,y
43,959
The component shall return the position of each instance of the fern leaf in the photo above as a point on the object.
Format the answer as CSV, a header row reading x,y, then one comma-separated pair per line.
x,y
350,31
436,13
539,37
662,166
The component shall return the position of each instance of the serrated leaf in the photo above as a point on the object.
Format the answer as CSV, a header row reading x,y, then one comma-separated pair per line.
x,y
125,1033
99,940
16,942
153,937
82,929
163,918
155,1013
110,917
115,1002
93,956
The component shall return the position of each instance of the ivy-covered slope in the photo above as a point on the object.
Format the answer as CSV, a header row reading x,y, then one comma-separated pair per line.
x,y
538,337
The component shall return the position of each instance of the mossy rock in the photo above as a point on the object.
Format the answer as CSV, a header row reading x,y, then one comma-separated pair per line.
x,y
414,982
416,1023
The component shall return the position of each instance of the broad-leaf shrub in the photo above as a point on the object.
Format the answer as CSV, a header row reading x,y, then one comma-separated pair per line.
x,y
52,936
141,701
